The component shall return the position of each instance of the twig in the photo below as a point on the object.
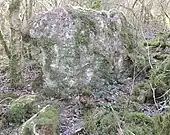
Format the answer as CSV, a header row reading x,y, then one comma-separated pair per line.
x,y
163,94
133,81
131,132
117,119
134,4
4,43
120,129
34,130
153,92
140,71
6,99
149,59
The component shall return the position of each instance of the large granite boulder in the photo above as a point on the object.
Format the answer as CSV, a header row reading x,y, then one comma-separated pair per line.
x,y
82,47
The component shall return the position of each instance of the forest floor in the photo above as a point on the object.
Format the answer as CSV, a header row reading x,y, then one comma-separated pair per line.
x,y
71,110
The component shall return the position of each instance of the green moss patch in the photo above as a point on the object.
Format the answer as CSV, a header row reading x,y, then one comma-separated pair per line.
x,y
46,121
138,124
160,40
99,120
87,26
21,109
107,122
142,92
160,75
8,95
162,124
157,85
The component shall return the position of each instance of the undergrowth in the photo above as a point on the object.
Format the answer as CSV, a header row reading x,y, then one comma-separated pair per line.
x,y
102,121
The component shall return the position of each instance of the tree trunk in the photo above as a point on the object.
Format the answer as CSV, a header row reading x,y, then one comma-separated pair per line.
x,y
15,45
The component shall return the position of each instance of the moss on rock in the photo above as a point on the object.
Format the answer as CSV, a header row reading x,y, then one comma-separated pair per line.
x,y
21,109
84,47
87,27
46,121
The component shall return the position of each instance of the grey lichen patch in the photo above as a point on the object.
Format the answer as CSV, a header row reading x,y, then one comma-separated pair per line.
x,y
21,109
46,121
126,29
44,42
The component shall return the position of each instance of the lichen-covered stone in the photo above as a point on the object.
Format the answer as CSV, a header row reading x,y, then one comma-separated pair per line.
x,y
45,122
81,47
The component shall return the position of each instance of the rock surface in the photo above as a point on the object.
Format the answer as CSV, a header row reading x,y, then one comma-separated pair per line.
x,y
82,47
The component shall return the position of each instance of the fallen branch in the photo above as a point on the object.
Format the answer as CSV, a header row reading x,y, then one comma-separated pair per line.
x,y
29,120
